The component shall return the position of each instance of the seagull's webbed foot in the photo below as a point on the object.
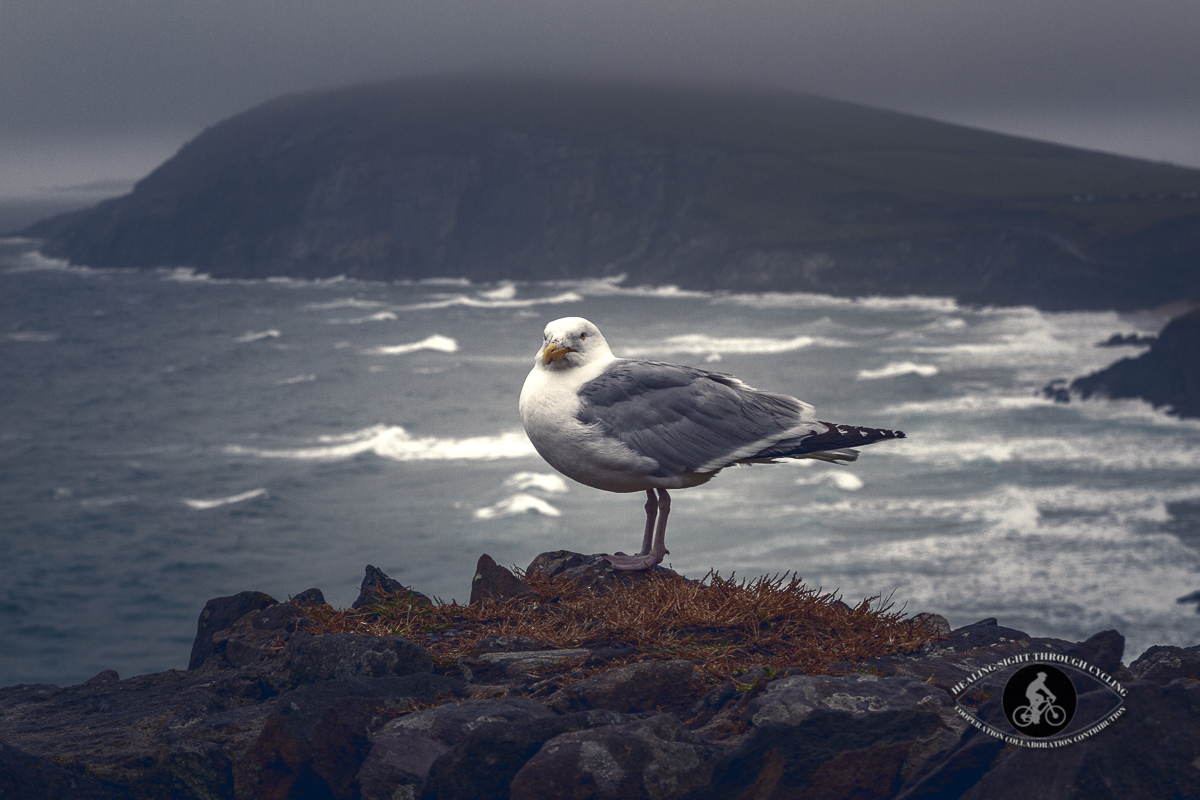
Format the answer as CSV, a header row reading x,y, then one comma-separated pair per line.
x,y
624,563
653,548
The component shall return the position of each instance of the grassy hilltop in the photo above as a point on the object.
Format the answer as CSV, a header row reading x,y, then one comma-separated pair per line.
x,y
755,190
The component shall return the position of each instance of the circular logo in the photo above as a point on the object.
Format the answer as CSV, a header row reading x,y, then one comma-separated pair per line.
x,y
1039,700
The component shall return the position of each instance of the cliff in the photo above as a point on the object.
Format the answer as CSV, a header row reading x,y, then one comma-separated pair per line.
x,y
757,191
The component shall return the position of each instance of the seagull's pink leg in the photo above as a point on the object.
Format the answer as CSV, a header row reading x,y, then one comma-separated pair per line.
x,y
654,549
651,512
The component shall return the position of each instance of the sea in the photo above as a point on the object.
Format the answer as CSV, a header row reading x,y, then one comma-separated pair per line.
x,y
167,437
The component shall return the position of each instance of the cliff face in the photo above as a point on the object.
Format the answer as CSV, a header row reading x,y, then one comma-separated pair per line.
x,y
506,179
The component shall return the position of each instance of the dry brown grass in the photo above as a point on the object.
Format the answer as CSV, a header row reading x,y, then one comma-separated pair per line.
x,y
724,625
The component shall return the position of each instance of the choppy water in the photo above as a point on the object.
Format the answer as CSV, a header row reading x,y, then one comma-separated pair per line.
x,y
165,438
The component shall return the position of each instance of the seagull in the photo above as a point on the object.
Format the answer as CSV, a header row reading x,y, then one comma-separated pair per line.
x,y
630,425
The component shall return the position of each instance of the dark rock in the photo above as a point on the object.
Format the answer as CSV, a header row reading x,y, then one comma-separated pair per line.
x,y
1102,650
310,597
397,764
636,687
261,637
25,777
353,655
707,706
220,613
104,676
981,634
171,734
592,572
1149,752
494,582
525,662
655,758
949,776
1127,340
828,754
789,701
376,581
1168,374
1161,664
317,737
934,622
509,644
482,765
451,723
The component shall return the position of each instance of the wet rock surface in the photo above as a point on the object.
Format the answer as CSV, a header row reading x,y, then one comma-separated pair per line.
x,y
270,710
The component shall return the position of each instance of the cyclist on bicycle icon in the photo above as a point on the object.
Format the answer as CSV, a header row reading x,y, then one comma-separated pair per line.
x,y
1040,699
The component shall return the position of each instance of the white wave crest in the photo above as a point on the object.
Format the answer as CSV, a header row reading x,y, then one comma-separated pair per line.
x,y
699,344
443,344
396,444
34,261
545,481
846,481
897,368
296,379
204,505
382,316
518,504
483,300
31,336
345,302
768,300
254,336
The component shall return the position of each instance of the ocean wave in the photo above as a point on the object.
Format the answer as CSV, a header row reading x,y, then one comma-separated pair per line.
x,y
105,502
517,504
31,336
548,482
699,344
1100,409
345,302
442,344
846,481
204,505
254,336
382,316
897,368
503,297
806,300
296,379
34,261
1113,451
396,444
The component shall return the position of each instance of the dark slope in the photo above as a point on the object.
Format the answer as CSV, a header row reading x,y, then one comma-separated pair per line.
x,y
517,179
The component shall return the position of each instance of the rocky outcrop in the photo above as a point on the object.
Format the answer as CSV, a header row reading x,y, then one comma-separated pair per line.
x,y
1166,375
270,710
494,179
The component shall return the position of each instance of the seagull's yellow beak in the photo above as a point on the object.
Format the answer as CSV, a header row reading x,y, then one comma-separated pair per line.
x,y
554,352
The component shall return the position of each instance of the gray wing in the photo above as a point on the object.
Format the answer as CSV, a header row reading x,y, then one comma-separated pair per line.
x,y
687,419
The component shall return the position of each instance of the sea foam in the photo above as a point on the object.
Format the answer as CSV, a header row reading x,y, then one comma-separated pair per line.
x,y
396,444
204,505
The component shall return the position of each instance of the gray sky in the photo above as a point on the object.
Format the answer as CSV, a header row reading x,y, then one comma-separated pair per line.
x,y
107,89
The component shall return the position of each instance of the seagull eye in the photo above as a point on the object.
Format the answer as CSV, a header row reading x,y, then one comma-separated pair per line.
x,y
583,335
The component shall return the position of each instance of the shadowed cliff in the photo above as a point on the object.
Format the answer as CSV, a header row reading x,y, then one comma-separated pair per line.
x,y
758,191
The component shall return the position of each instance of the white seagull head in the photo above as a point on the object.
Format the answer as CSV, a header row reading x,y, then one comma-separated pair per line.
x,y
571,342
